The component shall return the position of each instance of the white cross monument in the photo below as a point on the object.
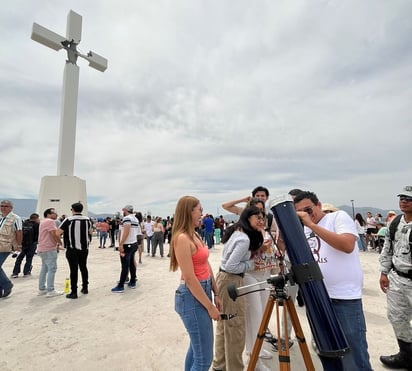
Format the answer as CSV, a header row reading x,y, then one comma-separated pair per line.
x,y
64,189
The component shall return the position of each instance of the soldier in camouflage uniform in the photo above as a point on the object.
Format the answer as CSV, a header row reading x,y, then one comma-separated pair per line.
x,y
396,282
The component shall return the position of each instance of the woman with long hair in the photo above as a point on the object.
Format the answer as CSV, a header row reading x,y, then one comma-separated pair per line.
x,y
193,298
360,226
240,240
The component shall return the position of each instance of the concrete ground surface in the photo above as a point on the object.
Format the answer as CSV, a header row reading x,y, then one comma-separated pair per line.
x,y
139,329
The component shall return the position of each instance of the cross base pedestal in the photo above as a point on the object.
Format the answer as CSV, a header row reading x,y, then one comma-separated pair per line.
x,y
60,192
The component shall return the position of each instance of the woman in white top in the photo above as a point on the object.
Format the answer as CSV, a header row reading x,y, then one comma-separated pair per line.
x,y
157,239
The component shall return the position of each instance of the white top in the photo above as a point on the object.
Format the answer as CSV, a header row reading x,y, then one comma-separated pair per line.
x,y
236,254
148,228
342,272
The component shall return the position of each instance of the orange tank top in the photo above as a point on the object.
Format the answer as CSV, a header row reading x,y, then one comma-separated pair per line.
x,y
200,262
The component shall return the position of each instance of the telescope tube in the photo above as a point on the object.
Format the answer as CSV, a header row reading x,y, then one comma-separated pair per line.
x,y
326,330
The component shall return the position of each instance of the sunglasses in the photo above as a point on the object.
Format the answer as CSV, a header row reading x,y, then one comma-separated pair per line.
x,y
405,198
308,210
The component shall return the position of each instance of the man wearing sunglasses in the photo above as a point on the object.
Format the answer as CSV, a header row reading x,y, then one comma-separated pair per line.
x,y
337,255
396,281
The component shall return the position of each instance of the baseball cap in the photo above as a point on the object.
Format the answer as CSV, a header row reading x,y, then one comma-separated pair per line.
x,y
406,191
128,208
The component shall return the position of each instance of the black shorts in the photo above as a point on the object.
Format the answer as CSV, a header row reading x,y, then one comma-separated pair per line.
x,y
371,230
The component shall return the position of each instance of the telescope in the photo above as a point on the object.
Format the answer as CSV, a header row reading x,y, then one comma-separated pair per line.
x,y
326,330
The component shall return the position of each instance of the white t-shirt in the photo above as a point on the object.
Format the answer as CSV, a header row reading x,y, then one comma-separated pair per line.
x,y
342,272
148,228
132,236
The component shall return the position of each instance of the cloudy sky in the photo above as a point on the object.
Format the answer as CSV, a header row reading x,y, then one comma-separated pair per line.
x,y
212,98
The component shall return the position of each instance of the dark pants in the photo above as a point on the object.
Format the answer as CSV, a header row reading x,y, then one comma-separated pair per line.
x,y
127,262
112,237
77,260
28,253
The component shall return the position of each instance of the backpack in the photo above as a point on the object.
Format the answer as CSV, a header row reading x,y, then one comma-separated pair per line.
x,y
28,233
393,226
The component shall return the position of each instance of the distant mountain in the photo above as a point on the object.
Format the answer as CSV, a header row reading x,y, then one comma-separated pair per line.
x,y
25,207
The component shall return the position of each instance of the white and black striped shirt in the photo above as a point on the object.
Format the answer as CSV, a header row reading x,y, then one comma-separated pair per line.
x,y
76,232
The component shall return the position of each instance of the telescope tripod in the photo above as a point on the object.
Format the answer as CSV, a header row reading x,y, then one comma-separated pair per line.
x,y
278,297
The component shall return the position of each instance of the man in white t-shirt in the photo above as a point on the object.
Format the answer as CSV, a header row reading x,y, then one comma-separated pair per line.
x,y
332,238
127,249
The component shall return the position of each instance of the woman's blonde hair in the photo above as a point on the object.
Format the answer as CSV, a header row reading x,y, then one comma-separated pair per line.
x,y
182,223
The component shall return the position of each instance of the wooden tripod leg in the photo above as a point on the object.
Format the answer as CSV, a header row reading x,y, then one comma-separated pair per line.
x,y
261,333
303,345
284,356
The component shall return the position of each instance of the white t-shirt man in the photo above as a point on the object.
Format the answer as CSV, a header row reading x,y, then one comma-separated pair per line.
x,y
342,272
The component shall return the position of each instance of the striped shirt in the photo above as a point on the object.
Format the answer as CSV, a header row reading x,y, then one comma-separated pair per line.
x,y
76,232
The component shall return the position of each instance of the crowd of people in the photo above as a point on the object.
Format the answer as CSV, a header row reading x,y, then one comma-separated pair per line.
x,y
253,250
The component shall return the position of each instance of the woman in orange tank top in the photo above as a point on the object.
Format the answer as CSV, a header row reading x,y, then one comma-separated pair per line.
x,y
193,297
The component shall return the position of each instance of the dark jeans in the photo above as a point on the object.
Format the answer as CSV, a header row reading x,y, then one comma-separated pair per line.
x,y
127,262
5,283
112,237
28,253
148,240
351,318
77,260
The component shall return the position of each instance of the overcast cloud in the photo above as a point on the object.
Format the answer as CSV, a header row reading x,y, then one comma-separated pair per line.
x,y
212,98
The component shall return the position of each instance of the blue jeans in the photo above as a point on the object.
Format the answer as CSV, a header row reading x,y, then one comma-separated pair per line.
x,y
209,239
5,283
199,326
361,242
48,270
351,318
103,238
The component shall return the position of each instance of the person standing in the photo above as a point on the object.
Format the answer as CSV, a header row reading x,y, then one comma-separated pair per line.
x,y
127,249
370,230
396,280
76,230
239,240
193,297
10,238
360,227
104,228
148,231
28,245
47,248
140,236
157,238
209,225
337,255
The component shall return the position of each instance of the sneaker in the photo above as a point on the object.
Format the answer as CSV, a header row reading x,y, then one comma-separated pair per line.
x,y
118,290
42,292
131,285
52,294
268,335
282,342
7,292
14,275
27,275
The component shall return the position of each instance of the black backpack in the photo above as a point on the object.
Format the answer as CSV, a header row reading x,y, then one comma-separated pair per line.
x,y
28,233
392,229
